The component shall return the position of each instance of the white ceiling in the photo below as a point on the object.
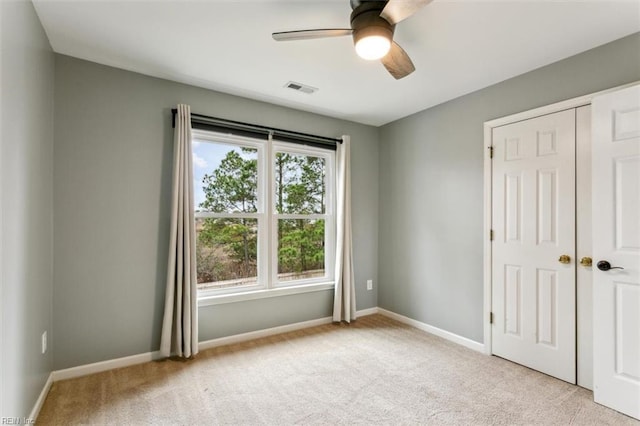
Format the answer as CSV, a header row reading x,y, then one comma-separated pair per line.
x,y
457,47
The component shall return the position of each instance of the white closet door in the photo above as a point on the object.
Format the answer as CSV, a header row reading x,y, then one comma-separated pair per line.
x,y
616,240
533,204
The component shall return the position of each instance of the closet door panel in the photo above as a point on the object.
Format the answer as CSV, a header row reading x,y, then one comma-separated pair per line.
x,y
533,251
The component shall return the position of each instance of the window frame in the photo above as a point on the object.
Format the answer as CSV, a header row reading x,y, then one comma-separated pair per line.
x,y
268,284
258,145
328,216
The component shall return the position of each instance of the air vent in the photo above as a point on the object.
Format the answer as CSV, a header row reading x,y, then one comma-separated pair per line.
x,y
300,87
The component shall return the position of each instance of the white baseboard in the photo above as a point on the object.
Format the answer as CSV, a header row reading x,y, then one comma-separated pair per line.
x,y
237,338
41,398
471,344
98,367
365,312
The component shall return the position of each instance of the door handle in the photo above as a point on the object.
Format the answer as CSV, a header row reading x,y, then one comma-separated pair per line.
x,y
586,261
564,259
603,265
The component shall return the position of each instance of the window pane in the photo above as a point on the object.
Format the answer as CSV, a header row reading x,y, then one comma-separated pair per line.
x,y
225,178
300,249
300,183
226,252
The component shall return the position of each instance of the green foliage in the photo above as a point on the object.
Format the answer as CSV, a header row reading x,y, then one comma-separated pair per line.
x,y
301,245
227,248
300,184
233,186
300,188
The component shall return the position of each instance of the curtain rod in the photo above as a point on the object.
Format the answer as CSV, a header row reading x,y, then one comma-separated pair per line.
x,y
205,119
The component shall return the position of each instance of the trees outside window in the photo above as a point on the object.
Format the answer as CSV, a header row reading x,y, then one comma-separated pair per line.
x,y
299,201
243,244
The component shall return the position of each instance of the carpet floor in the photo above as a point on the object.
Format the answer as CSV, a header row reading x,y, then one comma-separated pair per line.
x,y
374,371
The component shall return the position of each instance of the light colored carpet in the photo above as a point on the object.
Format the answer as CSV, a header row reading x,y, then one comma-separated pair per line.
x,y
376,371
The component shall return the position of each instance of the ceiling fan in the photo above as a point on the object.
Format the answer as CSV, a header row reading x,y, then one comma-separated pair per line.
x,y
372,26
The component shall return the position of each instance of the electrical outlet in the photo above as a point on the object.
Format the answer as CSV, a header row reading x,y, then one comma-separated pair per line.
x,y
44,342
369,284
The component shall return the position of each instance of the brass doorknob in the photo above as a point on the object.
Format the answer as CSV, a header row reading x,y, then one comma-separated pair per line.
x,y
586,261
564,259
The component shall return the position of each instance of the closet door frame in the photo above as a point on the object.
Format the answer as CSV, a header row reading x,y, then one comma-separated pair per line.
x,y
487,144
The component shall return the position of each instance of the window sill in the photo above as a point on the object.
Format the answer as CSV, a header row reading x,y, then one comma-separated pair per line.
x,y
262,294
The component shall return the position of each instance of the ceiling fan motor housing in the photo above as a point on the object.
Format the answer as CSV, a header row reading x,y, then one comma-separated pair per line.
x,y
366,21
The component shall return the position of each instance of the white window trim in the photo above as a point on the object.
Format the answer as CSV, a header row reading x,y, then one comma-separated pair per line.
x,y
267,275
219,299
259,146
328,216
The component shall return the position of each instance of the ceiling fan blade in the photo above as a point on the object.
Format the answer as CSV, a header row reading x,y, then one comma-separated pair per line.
x,y
311,34
397,62
398,10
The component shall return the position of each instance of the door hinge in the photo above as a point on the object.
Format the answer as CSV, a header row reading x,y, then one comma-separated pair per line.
x,y
490,152
490,317
490,234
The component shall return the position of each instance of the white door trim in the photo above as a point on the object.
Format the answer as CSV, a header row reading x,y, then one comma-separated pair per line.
x,y
488,126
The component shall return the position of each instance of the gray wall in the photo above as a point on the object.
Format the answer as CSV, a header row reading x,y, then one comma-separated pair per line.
x,y
431,186
113,147
26,201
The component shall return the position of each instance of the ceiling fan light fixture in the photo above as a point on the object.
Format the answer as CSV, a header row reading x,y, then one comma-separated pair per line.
x,y
373,23
373,47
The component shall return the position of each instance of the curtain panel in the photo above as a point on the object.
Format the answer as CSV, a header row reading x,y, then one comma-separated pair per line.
x,y
180,322
344,301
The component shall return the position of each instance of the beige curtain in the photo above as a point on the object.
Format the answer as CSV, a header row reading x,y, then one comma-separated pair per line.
x,y
180,323
344,301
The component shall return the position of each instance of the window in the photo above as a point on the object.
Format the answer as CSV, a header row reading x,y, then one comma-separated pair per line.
x,y
264,214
